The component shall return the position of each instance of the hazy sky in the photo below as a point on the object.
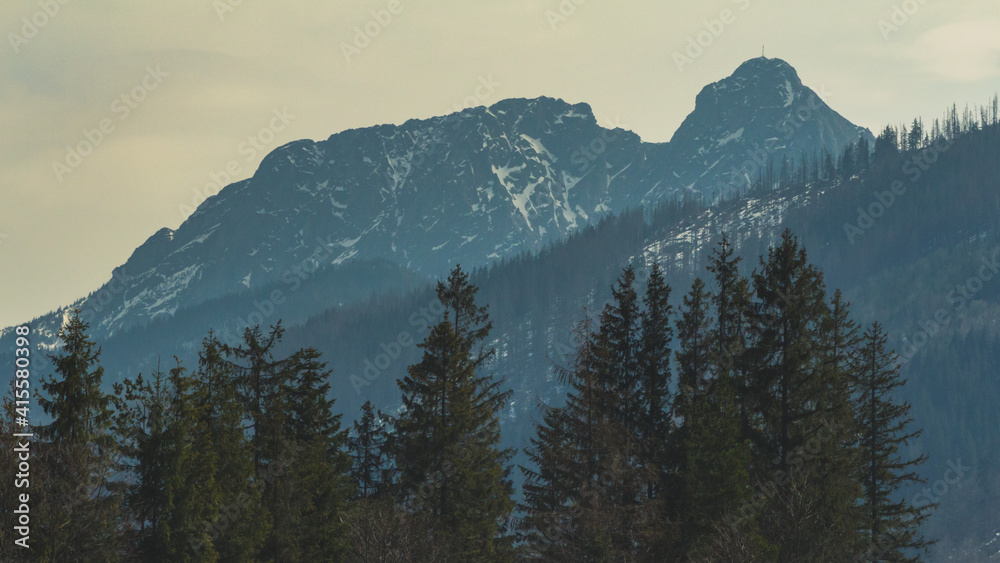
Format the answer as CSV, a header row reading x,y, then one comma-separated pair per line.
x,y
169,94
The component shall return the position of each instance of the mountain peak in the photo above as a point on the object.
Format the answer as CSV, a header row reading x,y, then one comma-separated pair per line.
x,y
758,82
760,114
763,67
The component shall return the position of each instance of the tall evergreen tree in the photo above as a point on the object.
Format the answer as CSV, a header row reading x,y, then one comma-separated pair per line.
x,y
574,502
371,468
891,524
693,354
618,361
80,518
317,476
730,334
654,426
238,530
830,450
692,364
263,383
447,439
174,493
794,395
716,478
564,457
783,385
300,466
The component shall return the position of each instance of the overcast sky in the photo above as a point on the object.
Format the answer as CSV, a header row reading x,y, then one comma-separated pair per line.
x,y
185,89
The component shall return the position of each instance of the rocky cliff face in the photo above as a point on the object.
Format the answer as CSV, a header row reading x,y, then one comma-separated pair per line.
x,y
762,113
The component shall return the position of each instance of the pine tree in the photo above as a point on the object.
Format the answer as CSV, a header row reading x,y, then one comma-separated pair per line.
x,y
79,518
238,530
891,524
368,446
377,528
782,385
547,529
693,377
716,478
916,137
263,383
692,358
265,386
317,473
730,335
564,459
174,493
829,169
576,502
654,368
793,393
830,449
618,339
300,466
447,439
693,355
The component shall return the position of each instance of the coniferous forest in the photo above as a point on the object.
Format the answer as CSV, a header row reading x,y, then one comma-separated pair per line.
x,y
746,418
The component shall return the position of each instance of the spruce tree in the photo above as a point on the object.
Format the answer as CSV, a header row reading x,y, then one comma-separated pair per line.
x,y
618,360
831,449
447,439
801,429
783,383
620,404
582,495
891,524
377,528
731,335
693,380
317,475
79,518
263,384
716,478
692,357
368,447
559,507
238,530
174,494
653,362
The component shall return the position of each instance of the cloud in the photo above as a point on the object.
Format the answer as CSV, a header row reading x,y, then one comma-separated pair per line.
x,y
966,51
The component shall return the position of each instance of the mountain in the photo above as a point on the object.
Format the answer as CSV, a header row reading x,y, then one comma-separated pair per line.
x,y
473,187
762,114
382,201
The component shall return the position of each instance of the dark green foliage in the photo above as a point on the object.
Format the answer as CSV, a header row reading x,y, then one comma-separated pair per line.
x,y
297,445
716,478
173,495
890,524
317,480
762,453
371,468
759,452
654,407
240,526
78,518
446,441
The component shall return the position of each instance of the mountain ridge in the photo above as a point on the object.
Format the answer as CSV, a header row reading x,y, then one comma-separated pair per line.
x,y
475,186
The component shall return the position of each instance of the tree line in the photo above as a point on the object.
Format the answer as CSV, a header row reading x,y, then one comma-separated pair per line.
x,y
753,422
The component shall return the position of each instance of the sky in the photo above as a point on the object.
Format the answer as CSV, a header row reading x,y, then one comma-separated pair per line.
x,y
117,118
